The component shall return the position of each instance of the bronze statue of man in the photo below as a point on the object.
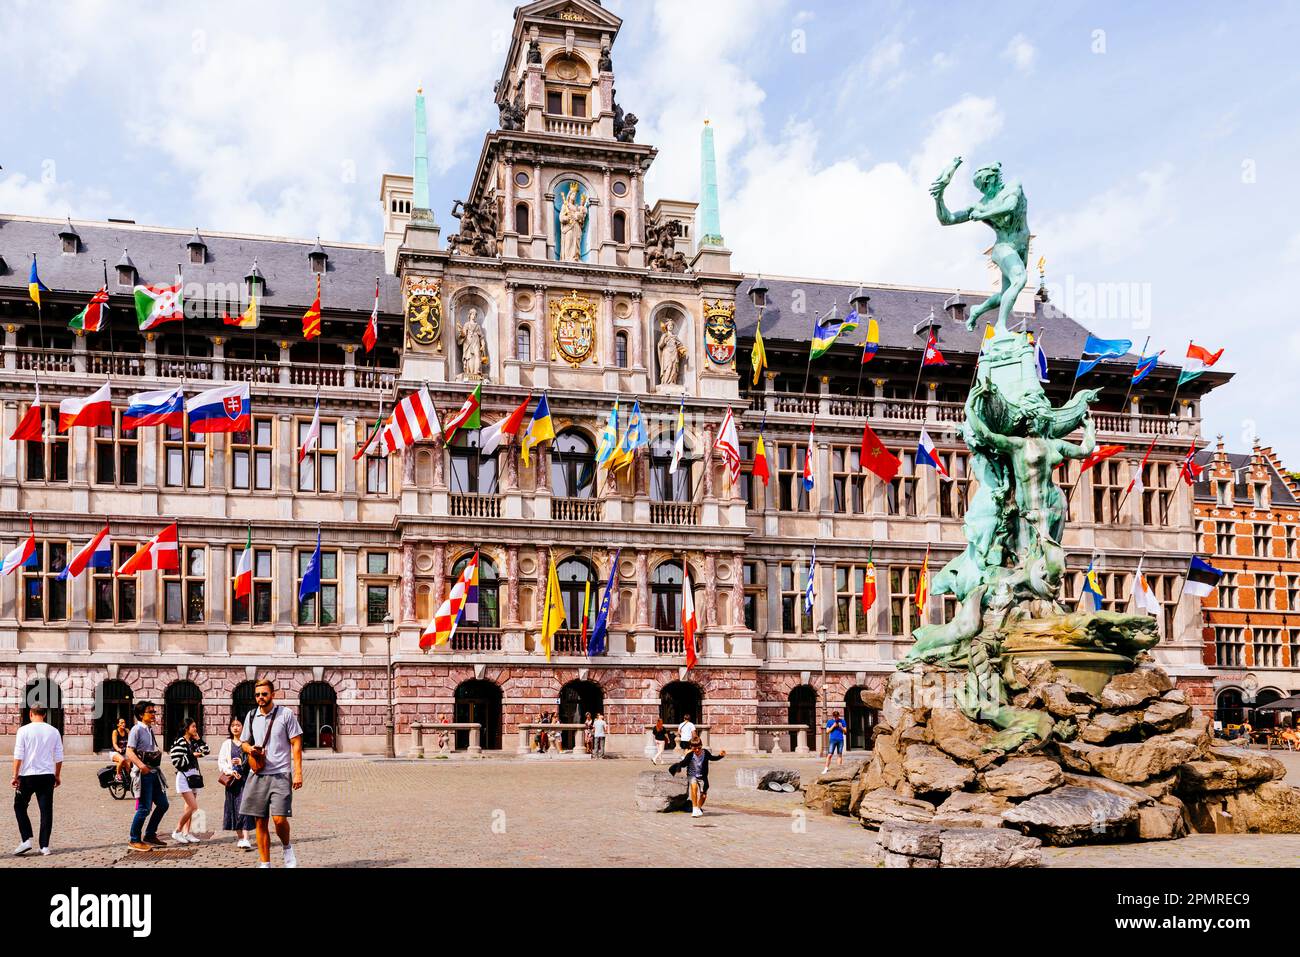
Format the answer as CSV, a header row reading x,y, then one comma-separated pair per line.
x,y
1003,207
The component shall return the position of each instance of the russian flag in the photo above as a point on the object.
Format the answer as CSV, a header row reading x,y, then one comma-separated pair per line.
x,y
163,407
23,555
926,454
98,553
227,408
94,410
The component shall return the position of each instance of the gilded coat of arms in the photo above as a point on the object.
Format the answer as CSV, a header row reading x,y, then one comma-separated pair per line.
x,y
720,331
424,310
573,321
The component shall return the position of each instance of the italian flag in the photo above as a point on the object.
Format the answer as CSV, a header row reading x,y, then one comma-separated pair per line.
x,y
155,305
92,317
244,570
467,416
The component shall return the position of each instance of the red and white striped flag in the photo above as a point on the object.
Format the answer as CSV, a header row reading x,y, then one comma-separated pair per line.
x,y
728,443
160,552
414,419
689,624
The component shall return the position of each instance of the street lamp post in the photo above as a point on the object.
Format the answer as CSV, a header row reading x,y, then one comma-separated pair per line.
x,y
388,634
821,725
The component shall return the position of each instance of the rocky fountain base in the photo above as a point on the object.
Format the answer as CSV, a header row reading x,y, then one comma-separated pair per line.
x,y
1129,762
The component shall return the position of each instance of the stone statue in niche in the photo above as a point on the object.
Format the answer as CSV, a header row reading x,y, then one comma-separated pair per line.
x,y
534,51
671,353
660,252
573,219
473,348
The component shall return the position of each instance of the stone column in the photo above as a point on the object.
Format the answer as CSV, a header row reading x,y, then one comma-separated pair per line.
x,y
408,467
512,585
439,472
738,590
539,224
541,468
408,582
349,366
710,590
508,462
606,213
439,572
638,335
643,589
607,321
508,226
512,345
707,459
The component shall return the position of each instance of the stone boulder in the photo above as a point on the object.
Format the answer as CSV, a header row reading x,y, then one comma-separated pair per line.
x,y
779,777
1065,699
1106,727
1136,795
883,805
984,847
957,735
1163,821
832,791
659,791
1165,715
1074,815
1132,689
973,802
1228,769
1022,777
930,771
1270,808
1130,763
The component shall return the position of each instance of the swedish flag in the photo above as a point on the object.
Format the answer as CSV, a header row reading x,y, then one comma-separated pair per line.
x,y
34,285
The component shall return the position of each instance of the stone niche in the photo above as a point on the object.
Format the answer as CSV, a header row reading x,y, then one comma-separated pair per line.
x,y
472,328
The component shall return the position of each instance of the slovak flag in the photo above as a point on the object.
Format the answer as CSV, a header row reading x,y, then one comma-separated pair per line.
x,y
227,408
163,407
808,459
98,553
927,454
23,555
932,356
162,551
94,410
689,623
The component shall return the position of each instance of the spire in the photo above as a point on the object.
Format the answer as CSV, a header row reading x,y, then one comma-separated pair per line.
x,y
420,210
710,229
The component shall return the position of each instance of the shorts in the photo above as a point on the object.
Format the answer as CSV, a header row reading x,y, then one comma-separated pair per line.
x,y
267,795
183,783
836,747
702,782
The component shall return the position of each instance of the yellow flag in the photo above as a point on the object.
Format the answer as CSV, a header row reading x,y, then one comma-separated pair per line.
x,y
758,355
988,331
552,610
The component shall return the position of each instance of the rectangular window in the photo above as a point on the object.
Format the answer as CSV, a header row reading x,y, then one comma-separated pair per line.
x,y
1067,476
1106,491
794,620
954,492
113,598
250,456
1268,647
258,602
579,104
754,594
848,482
900,493
789,477
184,458
45,598
849,618
903,613
116,454
554,102
48,461
1229,647
1293,600
318,471
1292,542
1262,539
377,475
1225,538
183,589
1265,591
321,608
1228,590
1159,480
377,592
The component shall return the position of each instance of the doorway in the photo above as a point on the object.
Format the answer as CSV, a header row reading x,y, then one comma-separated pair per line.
x,y
479,702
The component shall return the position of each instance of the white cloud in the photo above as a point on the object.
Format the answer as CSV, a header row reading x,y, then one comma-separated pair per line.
x,y
1113,225
1021,53
942,61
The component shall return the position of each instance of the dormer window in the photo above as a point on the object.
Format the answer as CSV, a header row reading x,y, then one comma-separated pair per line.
x,y
126,271
254,281
198,249
68,236
317,257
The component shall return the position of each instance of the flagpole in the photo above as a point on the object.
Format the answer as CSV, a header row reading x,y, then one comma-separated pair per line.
x,y
808,369
40,334
857,389
1141,356
108,317
185,350
1124,498
1173,403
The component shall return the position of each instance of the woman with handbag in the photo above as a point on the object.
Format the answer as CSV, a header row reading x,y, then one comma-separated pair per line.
x,y
185,754
230,762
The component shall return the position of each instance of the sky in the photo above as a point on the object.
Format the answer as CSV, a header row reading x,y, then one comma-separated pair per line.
x,y
1153,145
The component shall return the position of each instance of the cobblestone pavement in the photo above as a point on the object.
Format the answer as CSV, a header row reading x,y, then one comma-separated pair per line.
x,y
362,812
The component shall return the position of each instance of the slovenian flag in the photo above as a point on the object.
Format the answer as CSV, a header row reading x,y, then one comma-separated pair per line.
x,y
155,305
22,556
162,407
98,553
1145,366
1202,578
1095,350
94,410
1198,360
927,454
808,458
226,408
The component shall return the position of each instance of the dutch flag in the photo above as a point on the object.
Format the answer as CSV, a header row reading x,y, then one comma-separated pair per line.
x,y
926,454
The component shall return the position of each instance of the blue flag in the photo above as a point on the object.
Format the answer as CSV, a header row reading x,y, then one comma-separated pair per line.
x,y
809,591
1095,350
1040,360
1144,367
599,631
311,577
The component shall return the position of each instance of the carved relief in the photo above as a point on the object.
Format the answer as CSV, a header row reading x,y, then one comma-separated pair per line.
x,y
573,321
720,331
424,310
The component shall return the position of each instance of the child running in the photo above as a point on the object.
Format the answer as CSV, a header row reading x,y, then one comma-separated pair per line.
x,y
696,763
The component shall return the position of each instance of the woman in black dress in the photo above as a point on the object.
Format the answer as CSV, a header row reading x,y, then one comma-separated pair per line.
x,y
230,761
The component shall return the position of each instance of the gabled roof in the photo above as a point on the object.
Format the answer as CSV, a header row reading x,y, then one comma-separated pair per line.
x,y
1240,463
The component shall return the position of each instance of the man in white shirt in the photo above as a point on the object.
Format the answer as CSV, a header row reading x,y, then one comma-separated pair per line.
x,y
599,729
685,731
38,765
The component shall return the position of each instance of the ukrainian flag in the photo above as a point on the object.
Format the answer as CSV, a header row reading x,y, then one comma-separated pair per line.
x,y
609,438
539,429
34,285
825,332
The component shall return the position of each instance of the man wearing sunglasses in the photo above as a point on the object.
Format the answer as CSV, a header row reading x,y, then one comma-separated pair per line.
x,y
143,753
272,738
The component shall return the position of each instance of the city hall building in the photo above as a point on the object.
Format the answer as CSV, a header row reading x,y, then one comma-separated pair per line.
x,y
562,277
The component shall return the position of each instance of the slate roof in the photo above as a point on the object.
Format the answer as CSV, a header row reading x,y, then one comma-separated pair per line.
x,y
347,284
1240,490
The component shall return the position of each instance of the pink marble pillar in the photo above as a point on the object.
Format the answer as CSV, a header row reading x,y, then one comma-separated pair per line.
x,y
738,591
643,589
512,585
408,582
638,347
541,468
707,460
408,467
439,573
710,590
439,460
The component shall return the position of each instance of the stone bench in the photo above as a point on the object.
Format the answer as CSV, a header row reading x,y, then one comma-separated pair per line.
x,y
752,732
552,731
701,729
446,736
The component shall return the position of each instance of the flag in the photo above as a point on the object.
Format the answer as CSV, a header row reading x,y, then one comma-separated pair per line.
x,y
1135,484
94,410
1099,455
869,588
372,445
872,343
927,454
161,407
1144,599
608,444
155,305
31,426
470,611
414,419
244,569
466,417
932,356
313,434
810,585
586,610
1145,366
92,315
311,318
453,610
760,469
311,577
504,429
1040,361
634,437
25,554
227,408
679,443
1202,578
97,553
1198,358
988,334
552,610
808,457
599,631
922,596
758,355
34,285
371,335
1095,350
1091,588
825,331
250,318
539,430
1190,471
689,623
875,458
728,443
160,552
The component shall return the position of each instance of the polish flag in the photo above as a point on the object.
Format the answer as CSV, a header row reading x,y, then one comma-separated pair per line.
x,y
94,410
689,624
161,552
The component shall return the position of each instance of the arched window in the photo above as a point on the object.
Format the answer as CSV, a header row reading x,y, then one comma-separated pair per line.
x,y
522,219
618,227
1228,707
471,471
578,582
242,700
573,465
803,710
666,486
680,700
318,711
666,596
524,343
620,349
112,701
479,702
489,589
568,83
181,701
45,693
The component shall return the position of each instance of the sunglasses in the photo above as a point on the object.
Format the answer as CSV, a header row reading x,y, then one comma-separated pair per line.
x,y
262,694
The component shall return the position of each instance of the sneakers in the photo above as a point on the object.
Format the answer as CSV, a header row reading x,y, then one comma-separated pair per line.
x,y
264,864
179,838
140,846
290,859
191,839
243,844
23,848
45,851
696,812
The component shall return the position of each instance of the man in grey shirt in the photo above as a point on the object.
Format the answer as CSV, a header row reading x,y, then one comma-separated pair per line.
x,y
269,792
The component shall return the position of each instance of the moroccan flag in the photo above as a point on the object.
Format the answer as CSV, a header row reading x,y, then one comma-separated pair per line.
x,y
875,457
30,427
689,623
371,335
932,356
1100,455
155,305
311,318
466,417
1198,360
244,570
760,469
92,316
869,588
758,355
